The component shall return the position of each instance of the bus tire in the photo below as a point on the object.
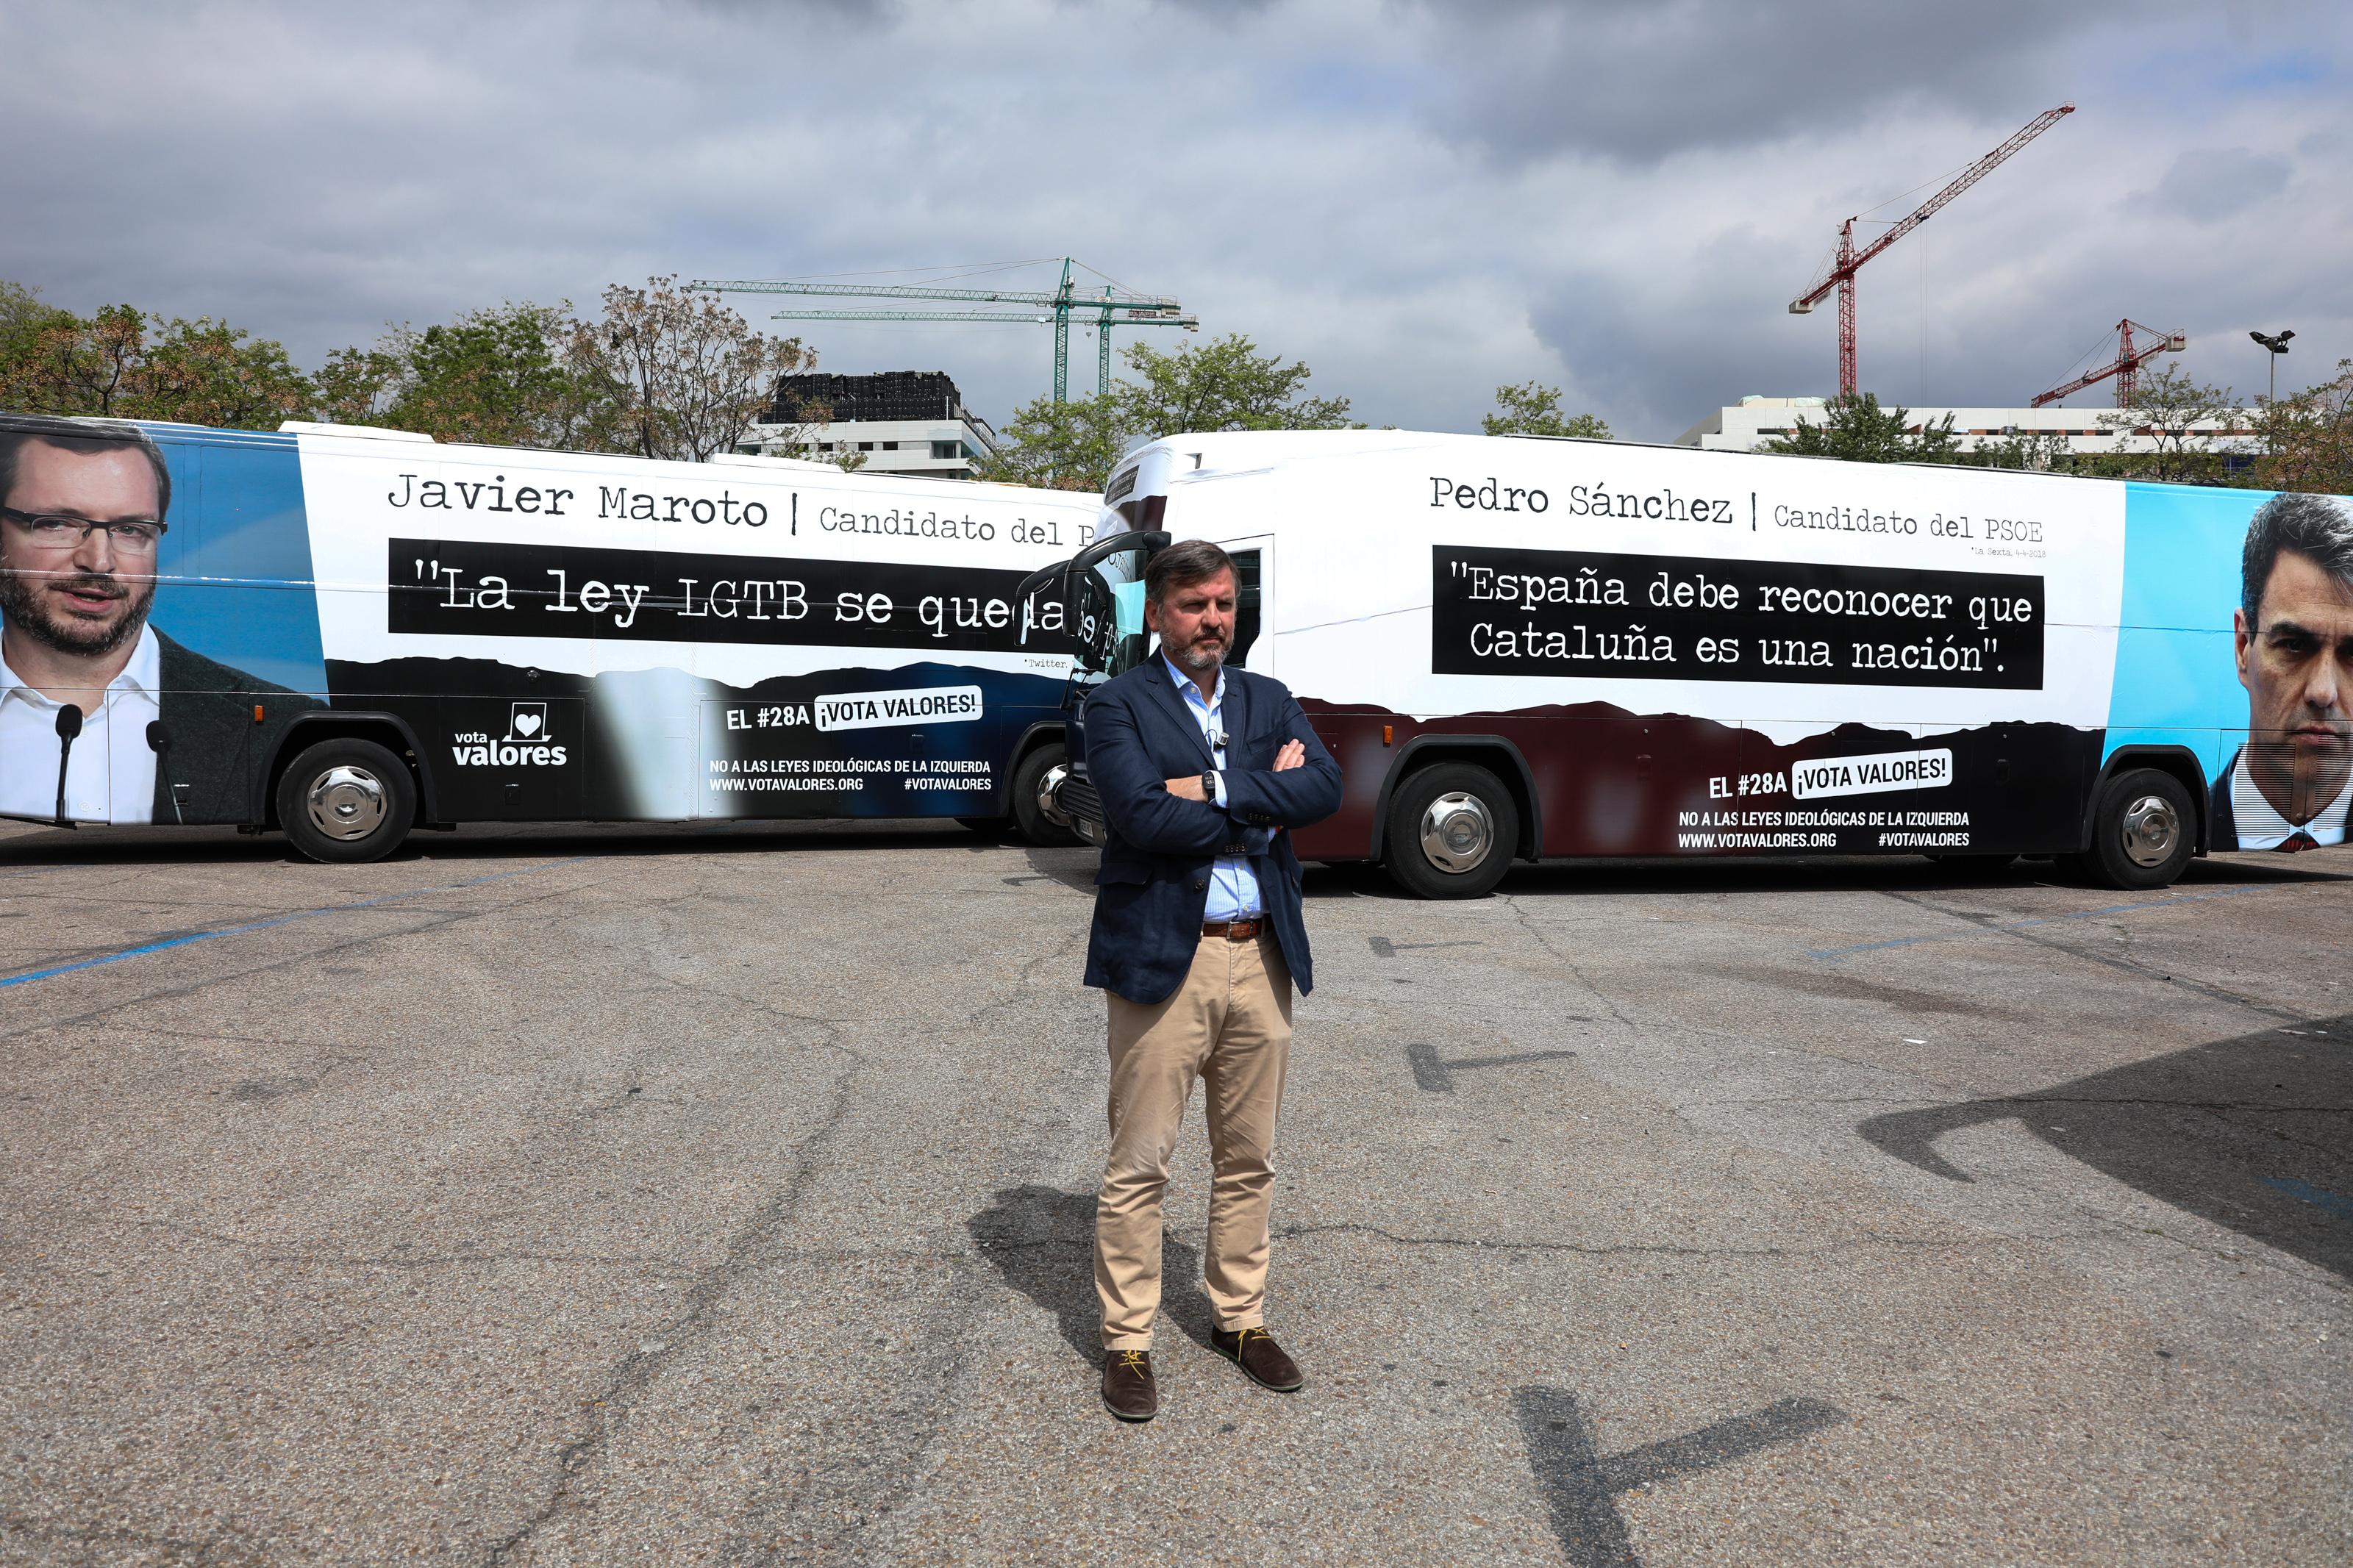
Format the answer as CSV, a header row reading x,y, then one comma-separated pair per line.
x,y
346,801
2143,832
1029,818
1451,832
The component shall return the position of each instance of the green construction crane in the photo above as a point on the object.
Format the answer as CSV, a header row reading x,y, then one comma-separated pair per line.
x,y
1127,309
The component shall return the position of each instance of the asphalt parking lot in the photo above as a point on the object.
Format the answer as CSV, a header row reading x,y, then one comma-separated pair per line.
x,y
723,1195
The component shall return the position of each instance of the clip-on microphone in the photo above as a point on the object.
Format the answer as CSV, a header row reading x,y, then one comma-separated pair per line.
x,y
159,740
69,726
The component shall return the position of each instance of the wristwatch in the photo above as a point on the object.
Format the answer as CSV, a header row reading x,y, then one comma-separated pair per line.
x,y
1209,785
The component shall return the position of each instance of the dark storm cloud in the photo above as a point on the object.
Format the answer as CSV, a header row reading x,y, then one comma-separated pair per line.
x,y
1637,80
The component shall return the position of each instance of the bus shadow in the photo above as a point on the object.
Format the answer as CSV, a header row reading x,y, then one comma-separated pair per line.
x,y
1073,866
226,845
1588,878
2253,1134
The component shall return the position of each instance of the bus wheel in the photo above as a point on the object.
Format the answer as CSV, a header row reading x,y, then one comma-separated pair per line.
x,y
1029,779
1452,831
2143,834
346,801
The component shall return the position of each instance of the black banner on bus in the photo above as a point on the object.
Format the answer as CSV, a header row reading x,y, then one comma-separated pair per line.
x,y
1680,618
462,588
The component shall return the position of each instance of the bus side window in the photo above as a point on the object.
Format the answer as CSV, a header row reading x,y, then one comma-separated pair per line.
x,y
249,538
1247,567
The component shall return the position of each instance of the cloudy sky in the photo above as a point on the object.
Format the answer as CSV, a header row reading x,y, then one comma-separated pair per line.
x,y
1421,200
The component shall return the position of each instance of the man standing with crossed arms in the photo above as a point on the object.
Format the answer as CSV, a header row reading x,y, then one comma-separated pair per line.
x,y
1198,936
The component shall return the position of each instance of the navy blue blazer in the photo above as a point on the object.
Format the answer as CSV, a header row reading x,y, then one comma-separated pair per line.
x,y
1153,884
2222,816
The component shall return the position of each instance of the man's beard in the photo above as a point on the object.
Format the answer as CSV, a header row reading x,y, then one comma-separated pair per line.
x,y
21,595
1193,657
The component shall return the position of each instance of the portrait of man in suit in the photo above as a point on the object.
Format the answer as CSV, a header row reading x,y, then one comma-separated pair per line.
x,y
155,732
1199,938
2290,786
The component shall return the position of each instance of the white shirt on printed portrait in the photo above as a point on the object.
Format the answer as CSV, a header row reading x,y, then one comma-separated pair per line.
x,y
110,771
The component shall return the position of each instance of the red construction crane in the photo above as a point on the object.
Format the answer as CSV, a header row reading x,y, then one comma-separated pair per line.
x,y
2124,367
1843,267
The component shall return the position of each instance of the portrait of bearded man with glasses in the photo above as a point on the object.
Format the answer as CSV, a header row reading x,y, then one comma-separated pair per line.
x,y
158,733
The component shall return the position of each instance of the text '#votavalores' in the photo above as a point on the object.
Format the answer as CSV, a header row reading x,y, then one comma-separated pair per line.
x,y
1673,617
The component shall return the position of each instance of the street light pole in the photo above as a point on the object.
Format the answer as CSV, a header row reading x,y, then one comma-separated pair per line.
x,y
2277,343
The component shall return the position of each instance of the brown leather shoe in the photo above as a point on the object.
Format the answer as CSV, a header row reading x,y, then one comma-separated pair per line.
x,y
1128,1391
1255,1352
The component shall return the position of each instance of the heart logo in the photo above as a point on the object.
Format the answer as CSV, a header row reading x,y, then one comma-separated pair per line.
x,y
526,724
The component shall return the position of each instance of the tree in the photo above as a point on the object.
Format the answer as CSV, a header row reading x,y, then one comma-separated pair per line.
x,y
1224,385
1534,410
358,387
689,374
1858,430
74,366
1060,446
496,376
499,377
209,373
2039,451
2167,407
2307,438
22,318
122,363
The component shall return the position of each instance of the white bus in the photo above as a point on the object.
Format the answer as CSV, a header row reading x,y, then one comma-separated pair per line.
x,y
348,633
1526,648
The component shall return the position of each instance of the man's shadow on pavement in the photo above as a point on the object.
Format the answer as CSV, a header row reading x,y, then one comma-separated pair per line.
x,y
1043,1241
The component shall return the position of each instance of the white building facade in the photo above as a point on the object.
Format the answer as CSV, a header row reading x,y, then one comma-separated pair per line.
x,y
901,422
1752,421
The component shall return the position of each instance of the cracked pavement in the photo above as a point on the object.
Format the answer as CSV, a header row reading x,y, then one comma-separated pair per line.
x,y
722,1194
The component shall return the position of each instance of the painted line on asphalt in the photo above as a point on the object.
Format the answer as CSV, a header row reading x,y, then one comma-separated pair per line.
x,y
2038,920
2318,1197
28,976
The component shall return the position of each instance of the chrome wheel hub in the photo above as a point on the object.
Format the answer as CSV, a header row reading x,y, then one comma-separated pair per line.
x,y
1456,832
346,803
2152,830
1048,785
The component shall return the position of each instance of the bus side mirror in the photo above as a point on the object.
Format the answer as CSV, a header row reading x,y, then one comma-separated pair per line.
x,y
1081,567
1050,583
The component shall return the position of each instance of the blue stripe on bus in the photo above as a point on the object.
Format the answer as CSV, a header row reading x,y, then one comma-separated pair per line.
x,y
2177,678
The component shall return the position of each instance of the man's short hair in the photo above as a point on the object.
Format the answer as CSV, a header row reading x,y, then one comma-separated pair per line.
x,y
1182,565
18,431
2321,527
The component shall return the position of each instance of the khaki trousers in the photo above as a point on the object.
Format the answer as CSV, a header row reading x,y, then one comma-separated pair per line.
x,y
1230,1026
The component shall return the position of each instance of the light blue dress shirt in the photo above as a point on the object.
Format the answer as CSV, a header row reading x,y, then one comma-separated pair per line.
x,y
1233,889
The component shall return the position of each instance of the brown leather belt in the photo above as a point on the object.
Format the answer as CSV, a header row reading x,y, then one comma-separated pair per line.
x,y
1234,931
